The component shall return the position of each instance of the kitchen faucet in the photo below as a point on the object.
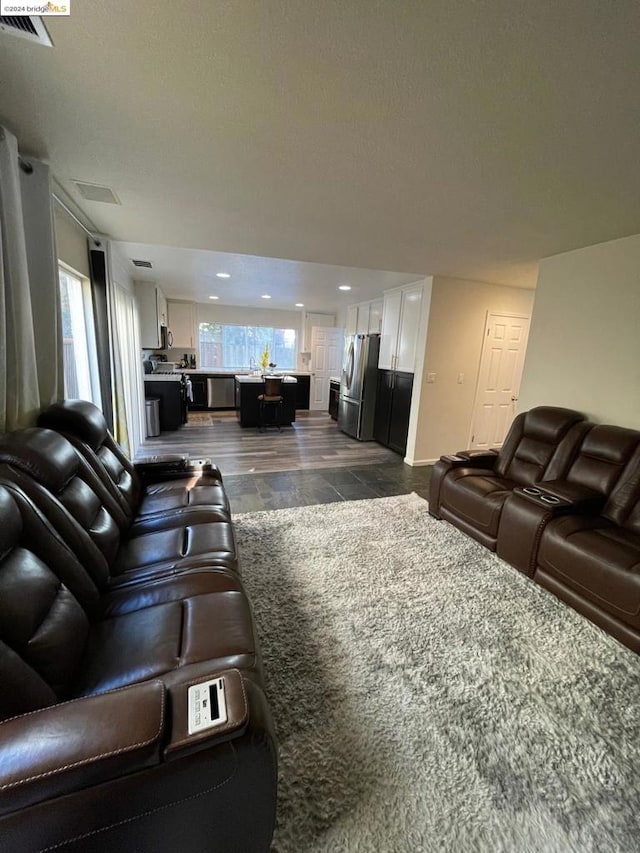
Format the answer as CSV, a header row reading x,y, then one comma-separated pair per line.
x,y
252,363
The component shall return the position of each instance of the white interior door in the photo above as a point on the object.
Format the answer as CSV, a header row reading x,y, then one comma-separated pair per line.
x,y
501,362
326,361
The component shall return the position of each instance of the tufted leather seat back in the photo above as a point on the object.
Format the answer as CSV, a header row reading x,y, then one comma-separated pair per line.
x,y
623,506
84,425
43,624
61,483
603,458
540,445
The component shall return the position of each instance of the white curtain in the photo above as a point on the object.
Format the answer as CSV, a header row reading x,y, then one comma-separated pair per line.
x,y
31,374
128,395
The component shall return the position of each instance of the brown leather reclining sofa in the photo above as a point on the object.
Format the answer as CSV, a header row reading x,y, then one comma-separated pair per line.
x,y
119,591
561,503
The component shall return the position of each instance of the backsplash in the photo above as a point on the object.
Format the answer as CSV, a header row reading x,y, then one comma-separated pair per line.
x,y
176,354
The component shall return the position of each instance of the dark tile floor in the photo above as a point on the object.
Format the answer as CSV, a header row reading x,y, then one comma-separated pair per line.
x,y
254,492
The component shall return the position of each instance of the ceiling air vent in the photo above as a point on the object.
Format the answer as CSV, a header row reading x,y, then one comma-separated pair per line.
x,y
146,264
25,27
96,192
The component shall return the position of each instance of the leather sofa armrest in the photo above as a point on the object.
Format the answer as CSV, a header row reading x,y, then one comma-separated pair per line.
x,y
74,745
476,458
480,459
176,468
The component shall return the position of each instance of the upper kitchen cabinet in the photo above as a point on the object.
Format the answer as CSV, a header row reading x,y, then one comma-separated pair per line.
x,y
182,322
375,316
152,313
351,326
365,318
362,322
400,324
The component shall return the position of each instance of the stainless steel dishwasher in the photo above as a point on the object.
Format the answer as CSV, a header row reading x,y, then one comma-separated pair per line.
x,y
221,392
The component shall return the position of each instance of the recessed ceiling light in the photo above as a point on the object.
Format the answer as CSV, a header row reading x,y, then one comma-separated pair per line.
x,y
266,296
299,304
344,287
223,275
214,297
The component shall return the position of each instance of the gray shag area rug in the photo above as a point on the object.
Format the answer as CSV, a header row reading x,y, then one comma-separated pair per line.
x,y
428,697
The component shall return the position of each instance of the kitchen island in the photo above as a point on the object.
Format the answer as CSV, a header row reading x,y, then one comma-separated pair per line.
x,y
202,399
248,388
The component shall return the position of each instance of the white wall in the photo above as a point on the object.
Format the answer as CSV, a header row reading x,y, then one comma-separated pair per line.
x,y
584,344
453,345
249,316
416,423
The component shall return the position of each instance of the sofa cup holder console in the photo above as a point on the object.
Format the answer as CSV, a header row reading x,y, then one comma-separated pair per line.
x,y
540,497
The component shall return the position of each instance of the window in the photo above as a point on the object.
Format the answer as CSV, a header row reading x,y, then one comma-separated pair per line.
x,y
241,347
80,359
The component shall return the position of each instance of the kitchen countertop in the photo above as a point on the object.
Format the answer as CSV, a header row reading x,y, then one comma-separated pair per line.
x,y
334,379
243,379
210,371
163,377
222,371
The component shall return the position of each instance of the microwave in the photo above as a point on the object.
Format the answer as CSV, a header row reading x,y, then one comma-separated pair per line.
x,y
166,338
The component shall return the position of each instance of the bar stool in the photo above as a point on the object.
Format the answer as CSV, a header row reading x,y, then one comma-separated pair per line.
x,y
271,403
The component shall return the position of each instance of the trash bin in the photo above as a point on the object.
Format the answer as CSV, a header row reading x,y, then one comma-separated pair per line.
x,y
152,416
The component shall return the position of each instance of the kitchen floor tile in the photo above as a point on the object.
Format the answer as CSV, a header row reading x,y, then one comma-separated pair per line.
x,y
341,476
355,491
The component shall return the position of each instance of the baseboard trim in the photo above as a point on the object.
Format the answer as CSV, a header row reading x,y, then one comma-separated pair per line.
x,y
417,463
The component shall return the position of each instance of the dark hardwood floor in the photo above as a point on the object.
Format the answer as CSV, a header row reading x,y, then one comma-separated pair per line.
x,y
309,463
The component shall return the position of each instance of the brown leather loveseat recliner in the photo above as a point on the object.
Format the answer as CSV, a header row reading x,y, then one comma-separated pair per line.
x,y
470,488
589,555
572,522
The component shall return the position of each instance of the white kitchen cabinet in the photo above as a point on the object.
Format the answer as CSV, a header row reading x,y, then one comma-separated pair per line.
x,y
375,316
362,324
390,328
365,318
351,326
182,322
162,308
152,313
409,324
400,324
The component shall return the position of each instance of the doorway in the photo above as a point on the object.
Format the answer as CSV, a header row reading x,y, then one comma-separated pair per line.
x,y
503,350
326,361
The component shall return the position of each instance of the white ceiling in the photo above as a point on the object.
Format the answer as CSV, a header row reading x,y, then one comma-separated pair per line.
x,y
191,274
466,138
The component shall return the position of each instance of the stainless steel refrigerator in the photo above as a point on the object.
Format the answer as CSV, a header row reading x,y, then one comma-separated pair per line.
x,y
356,408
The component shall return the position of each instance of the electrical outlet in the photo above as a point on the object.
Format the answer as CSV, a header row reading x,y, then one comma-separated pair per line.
x,y
431,377
460,378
